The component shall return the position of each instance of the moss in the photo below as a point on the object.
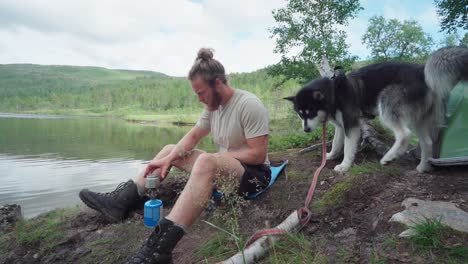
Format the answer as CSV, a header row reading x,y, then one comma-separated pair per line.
x,y
373,167
296,175
334,196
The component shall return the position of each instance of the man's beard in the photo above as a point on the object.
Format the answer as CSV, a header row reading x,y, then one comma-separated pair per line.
x,y
216,102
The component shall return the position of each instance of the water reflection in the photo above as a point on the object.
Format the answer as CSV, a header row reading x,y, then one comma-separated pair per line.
x,y
44,162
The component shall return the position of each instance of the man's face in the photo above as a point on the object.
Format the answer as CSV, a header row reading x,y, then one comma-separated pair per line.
x,y
206,94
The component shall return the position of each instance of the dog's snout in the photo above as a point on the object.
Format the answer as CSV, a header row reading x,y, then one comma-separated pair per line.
x,y
307,129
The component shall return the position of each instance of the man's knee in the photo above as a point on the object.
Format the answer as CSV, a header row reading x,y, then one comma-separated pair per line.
x,y
206,163
165,150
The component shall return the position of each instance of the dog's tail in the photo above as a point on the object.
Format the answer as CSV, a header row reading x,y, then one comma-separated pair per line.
x,y
443,70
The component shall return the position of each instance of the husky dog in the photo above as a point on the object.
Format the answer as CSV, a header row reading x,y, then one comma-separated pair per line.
x,y
406,96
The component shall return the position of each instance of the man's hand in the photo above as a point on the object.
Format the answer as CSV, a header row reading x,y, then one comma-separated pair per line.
x,y
163,164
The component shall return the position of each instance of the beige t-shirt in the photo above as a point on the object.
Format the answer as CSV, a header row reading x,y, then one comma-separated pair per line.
x,y
244,116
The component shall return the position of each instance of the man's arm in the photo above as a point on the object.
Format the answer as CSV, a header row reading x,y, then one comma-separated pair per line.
x,y
181,150
188,142
255,153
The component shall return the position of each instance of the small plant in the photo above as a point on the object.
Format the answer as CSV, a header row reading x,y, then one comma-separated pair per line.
x,y
217,248
428,234
345,256
375,258
431,235
229,240
392,241
292,248
43,232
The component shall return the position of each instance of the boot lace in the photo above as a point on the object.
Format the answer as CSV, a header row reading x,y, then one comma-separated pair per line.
x,y
122,186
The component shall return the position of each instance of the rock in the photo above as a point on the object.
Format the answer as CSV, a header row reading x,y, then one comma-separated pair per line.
x,y
347,236
9,215
20,251
418,211
346,233
407,233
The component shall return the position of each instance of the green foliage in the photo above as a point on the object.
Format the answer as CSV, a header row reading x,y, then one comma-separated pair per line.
x,y
464,40
428,234
373,167
43,232
292,140
287,134
452,14
101,252
306,31
395,40
218,248
335,195
291,248
229,240
453,39
375,258
84,90
432,235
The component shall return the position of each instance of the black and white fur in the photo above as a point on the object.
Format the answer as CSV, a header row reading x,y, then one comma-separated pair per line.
x,y
406,96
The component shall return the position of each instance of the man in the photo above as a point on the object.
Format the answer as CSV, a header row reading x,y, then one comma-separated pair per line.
x,y
238,122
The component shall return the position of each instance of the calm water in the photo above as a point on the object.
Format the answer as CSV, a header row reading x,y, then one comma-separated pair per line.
x,y
46,160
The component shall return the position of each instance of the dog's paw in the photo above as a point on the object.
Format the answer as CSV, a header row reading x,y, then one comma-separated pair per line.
x,y
385,161
387,158
331,156
341,168
424,167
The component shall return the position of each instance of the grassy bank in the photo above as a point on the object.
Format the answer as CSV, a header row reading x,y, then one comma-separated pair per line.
x,y
349,222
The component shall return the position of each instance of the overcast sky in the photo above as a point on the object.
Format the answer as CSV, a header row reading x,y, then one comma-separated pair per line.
x,y
164,35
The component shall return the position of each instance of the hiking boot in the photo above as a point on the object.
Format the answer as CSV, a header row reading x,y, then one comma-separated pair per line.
x,y
158,247
114,205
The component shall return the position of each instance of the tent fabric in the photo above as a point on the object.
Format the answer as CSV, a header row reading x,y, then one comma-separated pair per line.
x,y
454,142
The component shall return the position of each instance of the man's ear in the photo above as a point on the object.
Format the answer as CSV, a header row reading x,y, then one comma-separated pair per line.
x,y
318,95
290,98
218,83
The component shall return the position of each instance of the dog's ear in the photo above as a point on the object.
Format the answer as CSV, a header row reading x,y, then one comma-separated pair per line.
x,y
318,95
338,70
290,98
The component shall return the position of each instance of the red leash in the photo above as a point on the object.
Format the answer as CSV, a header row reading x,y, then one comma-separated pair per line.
x,y
304,214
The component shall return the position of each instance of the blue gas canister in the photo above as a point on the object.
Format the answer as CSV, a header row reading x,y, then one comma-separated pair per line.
x,y
152,212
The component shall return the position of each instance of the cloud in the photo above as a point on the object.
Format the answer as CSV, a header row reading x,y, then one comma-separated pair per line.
x,y
162,35
355,30
154,35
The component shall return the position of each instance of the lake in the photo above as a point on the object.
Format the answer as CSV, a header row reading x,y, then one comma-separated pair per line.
x,y
46,160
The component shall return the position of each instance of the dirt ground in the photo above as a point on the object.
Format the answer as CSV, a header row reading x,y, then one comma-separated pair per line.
x,y
350,227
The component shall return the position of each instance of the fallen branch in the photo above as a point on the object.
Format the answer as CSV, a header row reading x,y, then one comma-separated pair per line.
x,y
313,147
369,136
260,247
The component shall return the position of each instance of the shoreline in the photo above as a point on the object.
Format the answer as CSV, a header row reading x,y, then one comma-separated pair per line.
x,y
177,119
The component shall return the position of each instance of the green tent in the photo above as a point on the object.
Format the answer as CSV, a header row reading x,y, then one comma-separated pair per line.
x,y
454,138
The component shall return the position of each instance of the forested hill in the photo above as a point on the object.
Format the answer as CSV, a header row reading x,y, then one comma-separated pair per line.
x,y
28,87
